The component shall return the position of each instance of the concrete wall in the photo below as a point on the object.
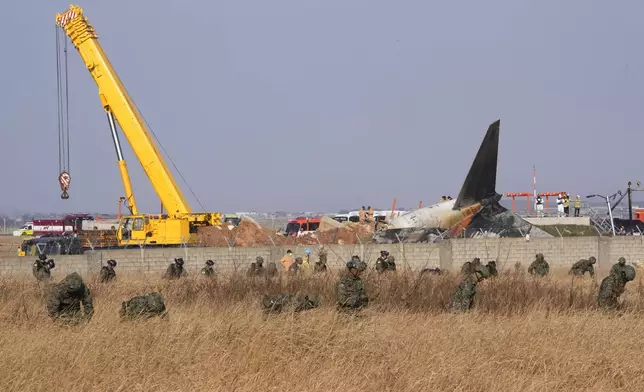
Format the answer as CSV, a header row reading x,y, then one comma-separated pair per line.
x,y
553,220
560,252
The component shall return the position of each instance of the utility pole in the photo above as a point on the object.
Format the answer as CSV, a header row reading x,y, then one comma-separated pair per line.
x,y
630,203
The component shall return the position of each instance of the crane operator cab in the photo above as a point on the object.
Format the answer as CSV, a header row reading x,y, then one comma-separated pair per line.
x,y
156,230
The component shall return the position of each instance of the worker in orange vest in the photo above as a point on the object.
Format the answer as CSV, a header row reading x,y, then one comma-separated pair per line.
x,y
287,260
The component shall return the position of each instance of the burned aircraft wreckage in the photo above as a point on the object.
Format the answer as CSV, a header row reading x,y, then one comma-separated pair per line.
x,y
476,212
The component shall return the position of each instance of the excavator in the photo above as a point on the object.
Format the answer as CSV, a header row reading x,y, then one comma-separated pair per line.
x,y
179,224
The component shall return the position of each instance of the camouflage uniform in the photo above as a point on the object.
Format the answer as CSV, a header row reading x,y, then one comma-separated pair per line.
x,y
280,302
65,299
207,270
621,262
583,266
42,269
251,270
175,270
430,271
463,298
470,266
294,268
259,266
491,266
107,273
350,292
613,286
385,262
143,306
271,270
539,266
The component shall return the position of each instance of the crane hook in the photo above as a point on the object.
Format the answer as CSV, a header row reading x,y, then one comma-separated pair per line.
x,y
64,179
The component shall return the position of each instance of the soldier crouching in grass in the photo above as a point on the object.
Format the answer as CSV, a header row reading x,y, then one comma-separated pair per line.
x,y
143,307
70,302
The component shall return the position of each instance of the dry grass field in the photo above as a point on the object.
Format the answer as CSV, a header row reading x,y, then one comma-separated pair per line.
x,y
525,335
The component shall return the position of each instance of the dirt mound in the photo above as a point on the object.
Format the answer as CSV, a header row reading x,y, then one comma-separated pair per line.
x,y
248,233
327,223
344,233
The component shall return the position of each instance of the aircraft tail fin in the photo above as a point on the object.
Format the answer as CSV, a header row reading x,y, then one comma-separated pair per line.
x,y
480,182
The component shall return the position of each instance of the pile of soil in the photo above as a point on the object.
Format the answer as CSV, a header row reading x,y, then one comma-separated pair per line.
x,y
248,233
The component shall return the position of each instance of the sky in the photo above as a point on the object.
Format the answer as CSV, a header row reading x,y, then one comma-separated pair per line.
x,y
322,105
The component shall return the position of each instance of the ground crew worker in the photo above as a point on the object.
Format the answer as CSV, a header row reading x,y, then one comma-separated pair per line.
x,y
566,204
613,286
362,215
207,270
583,266
143,306
350,292
287,260
560,209
42,268
617,266
175,270
463,298
271,270
107,273
65,300
540,206
306,269
577,205
539,266
280,302
385,262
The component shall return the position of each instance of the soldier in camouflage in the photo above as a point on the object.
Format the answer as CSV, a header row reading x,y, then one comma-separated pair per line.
x,y
583,266
143,306
42,268
613,286
385,262
350,292
259,266
65,300
320,265
175,270
294,268
207,270
285,301
251,270
107,273
491,266
463,298
621,262
539,267
271,270
470,266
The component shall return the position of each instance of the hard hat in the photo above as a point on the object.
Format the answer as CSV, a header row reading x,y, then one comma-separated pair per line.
x,y
307,251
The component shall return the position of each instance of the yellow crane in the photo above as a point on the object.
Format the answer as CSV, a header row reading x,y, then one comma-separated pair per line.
x,y
180,224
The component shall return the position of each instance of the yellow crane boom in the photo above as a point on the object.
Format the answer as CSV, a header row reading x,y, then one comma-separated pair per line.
x,y
179,225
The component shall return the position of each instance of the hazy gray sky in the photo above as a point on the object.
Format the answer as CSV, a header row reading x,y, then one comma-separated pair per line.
x,y
320,105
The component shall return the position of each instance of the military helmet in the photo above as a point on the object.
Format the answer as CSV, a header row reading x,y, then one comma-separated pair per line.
x,y
111,262
42,256
210,262
356,264
592,260
628,272
259,259
621,261
178,261
298,260
483,270
539,256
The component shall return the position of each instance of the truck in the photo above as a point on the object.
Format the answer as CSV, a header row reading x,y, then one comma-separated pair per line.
x,y
179,224
68,224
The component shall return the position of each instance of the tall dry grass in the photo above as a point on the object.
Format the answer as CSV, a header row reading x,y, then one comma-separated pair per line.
x,y
524,335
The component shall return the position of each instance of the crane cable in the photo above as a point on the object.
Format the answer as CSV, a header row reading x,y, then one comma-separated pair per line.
x,y
62,97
